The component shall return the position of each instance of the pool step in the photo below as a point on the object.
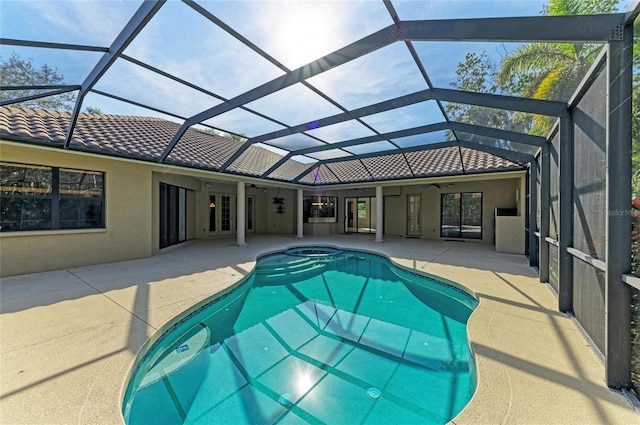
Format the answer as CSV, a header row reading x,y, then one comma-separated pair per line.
x,y
284,267
294,271
294,267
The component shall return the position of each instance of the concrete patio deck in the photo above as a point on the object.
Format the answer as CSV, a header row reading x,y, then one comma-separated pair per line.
x,y
68,338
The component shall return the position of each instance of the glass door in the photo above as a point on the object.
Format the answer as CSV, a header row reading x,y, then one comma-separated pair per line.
x,y
414,228
461,215
250,222
364,216
173,215
221,214
226,215
350,225
361,215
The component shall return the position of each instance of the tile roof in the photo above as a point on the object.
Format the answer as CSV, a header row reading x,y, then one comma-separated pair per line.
x,y
350,171
145,138
392,166
435,162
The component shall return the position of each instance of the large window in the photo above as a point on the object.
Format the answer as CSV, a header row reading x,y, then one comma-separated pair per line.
x,y
461,215
49,198
320,209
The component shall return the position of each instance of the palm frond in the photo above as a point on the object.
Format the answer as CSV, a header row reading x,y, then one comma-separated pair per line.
x,y
548,87
532,57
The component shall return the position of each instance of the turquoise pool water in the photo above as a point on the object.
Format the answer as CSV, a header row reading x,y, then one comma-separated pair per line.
x,y
336,337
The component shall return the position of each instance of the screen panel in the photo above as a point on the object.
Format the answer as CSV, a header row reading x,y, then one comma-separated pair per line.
x,y
554,183
553,266
589,193
589,300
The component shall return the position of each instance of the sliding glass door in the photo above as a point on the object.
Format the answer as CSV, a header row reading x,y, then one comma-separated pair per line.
x,y
361,215
173,215
461,215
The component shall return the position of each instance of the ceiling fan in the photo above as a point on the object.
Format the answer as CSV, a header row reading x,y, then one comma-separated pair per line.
x,y
254,186
438,185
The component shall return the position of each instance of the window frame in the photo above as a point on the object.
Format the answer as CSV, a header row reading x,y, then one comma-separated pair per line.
x,y
461,215
56,197
309,217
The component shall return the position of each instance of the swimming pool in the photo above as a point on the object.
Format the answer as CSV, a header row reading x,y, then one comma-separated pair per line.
x,y
315,335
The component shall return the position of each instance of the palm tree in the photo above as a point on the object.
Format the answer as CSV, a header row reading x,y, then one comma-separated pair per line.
x,y
552,71
635,128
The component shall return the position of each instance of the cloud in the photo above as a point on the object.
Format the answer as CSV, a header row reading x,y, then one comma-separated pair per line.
x,y
382,75
136,83
185,44
69,21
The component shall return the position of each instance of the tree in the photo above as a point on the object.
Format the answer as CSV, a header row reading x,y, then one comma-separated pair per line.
x,y
478,74
635,102
552,71
15,71
93,110
220,133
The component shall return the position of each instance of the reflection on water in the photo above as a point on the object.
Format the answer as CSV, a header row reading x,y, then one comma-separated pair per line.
x,y
310,340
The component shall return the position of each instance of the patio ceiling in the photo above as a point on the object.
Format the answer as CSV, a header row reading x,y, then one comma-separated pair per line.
x,y
334,88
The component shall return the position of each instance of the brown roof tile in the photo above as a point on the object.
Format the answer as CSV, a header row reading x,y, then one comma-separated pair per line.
x,y
434,162
319,175
289,170
147,137
350,171
392,166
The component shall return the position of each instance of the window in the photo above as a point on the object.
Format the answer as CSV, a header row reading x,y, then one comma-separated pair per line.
x,y
320,209
34,197
461,215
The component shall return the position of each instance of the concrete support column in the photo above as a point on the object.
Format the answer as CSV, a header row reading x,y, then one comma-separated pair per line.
x,y
379,214
240,214
565,215
543,260
300,217
618,220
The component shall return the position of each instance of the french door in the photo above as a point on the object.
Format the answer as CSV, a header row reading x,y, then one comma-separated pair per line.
x,y
222,214
414,228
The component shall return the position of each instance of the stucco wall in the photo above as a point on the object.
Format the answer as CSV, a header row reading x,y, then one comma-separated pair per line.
x,y
132,210
128,218
279,223
496,193
510,235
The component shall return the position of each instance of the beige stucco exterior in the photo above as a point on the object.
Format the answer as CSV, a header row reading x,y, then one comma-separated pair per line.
x,y
128,233
497,192
133,222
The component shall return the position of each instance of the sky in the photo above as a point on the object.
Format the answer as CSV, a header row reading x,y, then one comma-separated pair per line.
x,y
182,42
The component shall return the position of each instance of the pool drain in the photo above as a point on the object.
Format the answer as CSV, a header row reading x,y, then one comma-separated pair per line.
x,y
373,393
285,400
